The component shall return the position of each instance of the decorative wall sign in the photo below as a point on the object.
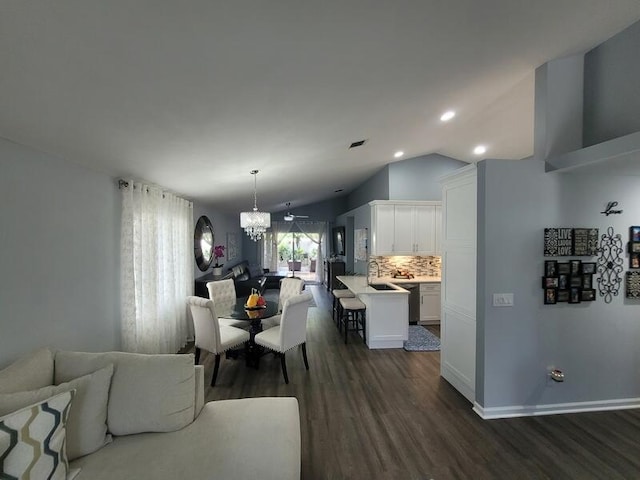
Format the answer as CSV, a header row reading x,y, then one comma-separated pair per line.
x,y
610,265
585,242
609,210
633,284
558,242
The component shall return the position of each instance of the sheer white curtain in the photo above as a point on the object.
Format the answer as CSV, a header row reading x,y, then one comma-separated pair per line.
x,y
271,243
156,244
318,228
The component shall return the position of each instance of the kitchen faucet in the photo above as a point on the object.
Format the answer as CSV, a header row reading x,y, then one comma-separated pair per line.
x,y
369,265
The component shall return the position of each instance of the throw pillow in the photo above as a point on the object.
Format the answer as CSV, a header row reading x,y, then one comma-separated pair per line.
x,y
87,424
149,393
32,371
32,440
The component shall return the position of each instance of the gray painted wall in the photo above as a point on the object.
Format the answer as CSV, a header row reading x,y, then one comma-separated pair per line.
x,y
354,219
417,178
375,188
59,255
594,343
611,93
222,224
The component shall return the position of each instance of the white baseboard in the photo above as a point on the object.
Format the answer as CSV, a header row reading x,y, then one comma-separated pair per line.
x,y
554,409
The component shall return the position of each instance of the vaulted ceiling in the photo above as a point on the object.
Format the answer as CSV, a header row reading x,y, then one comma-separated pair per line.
x,y
193,95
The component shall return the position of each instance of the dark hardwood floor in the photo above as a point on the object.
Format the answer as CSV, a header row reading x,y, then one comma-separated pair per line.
x,y
387,414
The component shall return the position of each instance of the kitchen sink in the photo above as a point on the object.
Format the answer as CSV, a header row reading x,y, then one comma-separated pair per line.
x,y
381,286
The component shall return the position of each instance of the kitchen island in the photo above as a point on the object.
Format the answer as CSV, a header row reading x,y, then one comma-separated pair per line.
x,y
387,314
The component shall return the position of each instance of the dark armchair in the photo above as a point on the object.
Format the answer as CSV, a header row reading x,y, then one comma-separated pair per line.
x,y
246,278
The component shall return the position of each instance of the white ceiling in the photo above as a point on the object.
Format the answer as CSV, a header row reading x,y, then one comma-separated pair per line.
x,y
192,95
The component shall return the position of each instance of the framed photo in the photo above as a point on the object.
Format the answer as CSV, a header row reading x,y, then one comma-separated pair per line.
x,y
563,282
574,295
550,282
550,296
589,267
564,268
587,281
575,266
634,260
550,268
634,234
575,281
562,296
635,247
587,295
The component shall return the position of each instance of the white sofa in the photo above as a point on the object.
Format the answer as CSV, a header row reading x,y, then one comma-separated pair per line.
x,y
144,417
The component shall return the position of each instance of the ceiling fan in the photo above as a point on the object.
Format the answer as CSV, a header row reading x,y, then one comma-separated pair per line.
x,y
290,217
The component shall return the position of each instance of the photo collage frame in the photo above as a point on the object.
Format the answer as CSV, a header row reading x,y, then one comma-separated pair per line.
x,y
570,282
632,278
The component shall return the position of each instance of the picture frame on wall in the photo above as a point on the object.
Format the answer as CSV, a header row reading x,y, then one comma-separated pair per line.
x,y
575,266
550,268
634,234
634,260
563,281
562,296
575,281
549,282
632,284
587,281
635,247
587,295
574,295
564,268
588,268
550,296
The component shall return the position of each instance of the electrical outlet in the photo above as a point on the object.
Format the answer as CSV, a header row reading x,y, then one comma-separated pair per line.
x,y
503,299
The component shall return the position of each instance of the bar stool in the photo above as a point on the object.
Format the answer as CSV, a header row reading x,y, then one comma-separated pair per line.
x,y
337,308
353,311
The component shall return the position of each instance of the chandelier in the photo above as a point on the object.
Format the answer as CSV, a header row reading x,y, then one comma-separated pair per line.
x,y
255,223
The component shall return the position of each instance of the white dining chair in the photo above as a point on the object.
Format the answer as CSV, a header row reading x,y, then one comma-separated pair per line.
x,y
223,293
291,332
289,287
210,334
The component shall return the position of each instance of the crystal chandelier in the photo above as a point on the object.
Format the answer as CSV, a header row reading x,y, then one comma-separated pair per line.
x,y
255,223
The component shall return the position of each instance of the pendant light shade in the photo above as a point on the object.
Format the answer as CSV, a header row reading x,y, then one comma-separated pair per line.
x,y
255,223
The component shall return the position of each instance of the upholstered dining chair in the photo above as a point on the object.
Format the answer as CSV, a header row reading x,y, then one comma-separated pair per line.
x,y
291,332
223,292
289,287
210,334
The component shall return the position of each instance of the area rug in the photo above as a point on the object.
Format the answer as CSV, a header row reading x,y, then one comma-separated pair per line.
x,y
421,340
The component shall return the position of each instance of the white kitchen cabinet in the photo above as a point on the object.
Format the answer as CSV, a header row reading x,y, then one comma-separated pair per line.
x,y
429,303
405,228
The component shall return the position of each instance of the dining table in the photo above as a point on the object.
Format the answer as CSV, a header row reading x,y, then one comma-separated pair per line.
x,y
238,310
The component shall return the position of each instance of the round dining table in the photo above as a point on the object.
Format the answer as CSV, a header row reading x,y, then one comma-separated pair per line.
x,y
238,311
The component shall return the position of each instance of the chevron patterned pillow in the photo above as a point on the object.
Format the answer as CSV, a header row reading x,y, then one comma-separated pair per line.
x,y
33,440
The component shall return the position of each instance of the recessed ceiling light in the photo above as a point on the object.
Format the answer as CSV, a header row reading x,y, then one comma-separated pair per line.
x,y
398,154
448,115
480,149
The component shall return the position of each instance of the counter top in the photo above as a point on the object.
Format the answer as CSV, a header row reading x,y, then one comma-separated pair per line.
x,y
416,279
359,285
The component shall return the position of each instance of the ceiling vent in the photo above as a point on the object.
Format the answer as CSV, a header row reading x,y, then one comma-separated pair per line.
x,y
357,144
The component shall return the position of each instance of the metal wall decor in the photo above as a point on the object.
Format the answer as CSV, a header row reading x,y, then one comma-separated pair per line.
x,y
610,265
610,209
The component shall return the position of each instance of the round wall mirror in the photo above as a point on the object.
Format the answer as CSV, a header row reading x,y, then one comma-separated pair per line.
x,y
203,243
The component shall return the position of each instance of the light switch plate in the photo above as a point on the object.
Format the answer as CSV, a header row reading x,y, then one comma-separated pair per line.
x,y
503,299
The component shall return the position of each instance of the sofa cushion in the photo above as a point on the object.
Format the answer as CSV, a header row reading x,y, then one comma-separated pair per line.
x,y
32,440
149,393
30,372
230,439
87,425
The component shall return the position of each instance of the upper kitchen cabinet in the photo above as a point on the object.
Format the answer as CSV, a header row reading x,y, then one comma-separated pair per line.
x,y
405,228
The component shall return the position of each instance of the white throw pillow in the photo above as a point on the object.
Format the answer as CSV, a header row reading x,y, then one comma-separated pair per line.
x,y
30,372
87,424
32,440
149,393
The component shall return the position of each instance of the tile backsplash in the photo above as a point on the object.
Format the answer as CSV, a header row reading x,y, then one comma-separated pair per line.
x,y
418,266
